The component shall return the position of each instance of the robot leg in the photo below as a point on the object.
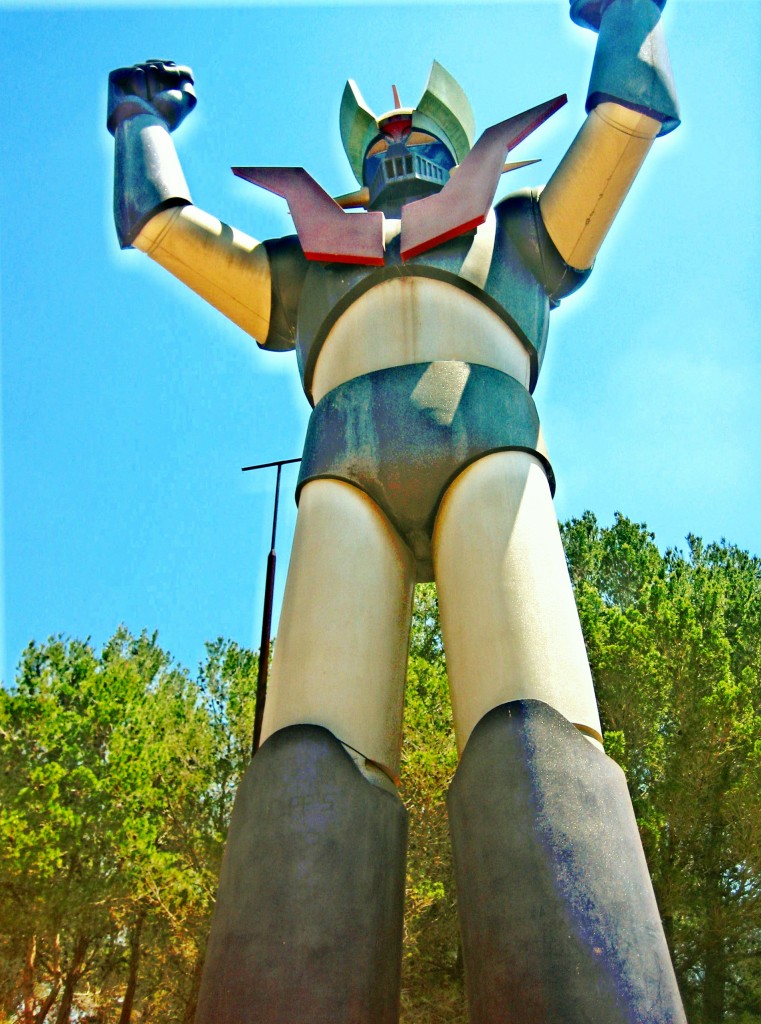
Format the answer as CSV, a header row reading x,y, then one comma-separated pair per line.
x,y
308,923
557,912
558,917
508,615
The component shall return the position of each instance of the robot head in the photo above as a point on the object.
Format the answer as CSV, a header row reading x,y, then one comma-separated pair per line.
x,y
404,163
408,152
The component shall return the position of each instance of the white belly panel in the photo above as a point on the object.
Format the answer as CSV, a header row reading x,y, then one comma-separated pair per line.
x,y
416,320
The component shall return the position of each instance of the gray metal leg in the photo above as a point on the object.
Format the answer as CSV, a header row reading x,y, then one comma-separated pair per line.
x,y
308,923
559,921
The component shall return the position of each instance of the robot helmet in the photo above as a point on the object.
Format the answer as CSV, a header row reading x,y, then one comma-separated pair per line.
x,y
408,151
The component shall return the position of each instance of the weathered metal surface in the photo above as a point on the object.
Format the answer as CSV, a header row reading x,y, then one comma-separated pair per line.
x,y
348,605
419,319
445,103
358,125
288,267
147,175
308,923
403,434
525,255
527,274
508,617
558,917
146,102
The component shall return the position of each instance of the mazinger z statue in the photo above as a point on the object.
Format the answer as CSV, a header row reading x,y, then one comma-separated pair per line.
x,y
419,325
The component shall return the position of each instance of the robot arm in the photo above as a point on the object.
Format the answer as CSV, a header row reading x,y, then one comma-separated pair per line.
x,y
153,210
224,266
631,100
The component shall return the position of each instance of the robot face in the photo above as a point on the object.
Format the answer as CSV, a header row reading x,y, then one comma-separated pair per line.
x,y
405,163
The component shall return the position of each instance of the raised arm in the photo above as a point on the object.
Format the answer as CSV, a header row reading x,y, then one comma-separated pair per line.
x,y
152,205
631,100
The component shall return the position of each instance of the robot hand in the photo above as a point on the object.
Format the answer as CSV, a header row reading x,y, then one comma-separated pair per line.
x,y
588,13
158,87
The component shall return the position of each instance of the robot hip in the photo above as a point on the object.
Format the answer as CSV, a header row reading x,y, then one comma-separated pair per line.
x,y
403,434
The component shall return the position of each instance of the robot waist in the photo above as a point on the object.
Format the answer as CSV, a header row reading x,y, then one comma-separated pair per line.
x,y
402,434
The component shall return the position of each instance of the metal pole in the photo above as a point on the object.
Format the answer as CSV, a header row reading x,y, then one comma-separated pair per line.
x,y
269,590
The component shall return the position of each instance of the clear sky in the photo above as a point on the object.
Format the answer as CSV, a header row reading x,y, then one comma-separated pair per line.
x,y
129,408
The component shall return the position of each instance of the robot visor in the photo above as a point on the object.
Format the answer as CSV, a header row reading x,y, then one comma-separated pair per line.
x,y
424,161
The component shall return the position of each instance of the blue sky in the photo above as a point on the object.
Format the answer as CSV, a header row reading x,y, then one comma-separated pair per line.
x,y
128,408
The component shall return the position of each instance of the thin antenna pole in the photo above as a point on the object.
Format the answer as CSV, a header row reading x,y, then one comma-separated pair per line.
x,y
268,465
269,591
277,499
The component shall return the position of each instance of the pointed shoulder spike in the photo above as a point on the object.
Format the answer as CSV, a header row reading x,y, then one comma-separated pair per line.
x,y
325,231
466,199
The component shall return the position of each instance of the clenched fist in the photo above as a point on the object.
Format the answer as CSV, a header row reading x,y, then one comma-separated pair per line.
x,y
157,87
588,13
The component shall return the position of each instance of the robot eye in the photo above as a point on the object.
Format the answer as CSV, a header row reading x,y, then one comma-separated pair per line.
x,y
416,138
379,146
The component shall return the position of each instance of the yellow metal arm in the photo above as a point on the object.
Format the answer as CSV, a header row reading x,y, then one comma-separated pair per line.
x,y
221,264
585,193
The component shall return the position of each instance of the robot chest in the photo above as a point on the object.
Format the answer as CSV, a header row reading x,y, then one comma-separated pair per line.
x,y
477,266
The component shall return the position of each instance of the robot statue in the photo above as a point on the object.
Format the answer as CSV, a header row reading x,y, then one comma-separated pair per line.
x,y
419,327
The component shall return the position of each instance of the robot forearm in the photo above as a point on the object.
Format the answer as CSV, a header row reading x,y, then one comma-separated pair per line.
x,y
631,100
585,193
152,205
145,103
631,64
148,177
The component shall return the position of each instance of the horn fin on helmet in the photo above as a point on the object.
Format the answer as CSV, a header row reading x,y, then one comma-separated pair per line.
x,y
358,125
444,101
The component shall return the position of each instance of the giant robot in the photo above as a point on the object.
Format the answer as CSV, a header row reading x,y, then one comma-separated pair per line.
x,y
419,325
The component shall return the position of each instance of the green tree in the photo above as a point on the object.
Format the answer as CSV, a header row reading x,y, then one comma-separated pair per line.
x,y
433,971
57,824
674,645
115,795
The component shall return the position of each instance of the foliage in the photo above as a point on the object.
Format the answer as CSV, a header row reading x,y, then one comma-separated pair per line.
x,y
116,777
118,770
432,978
675,646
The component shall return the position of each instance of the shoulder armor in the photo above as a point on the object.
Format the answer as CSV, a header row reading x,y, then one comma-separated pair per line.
x,y
521,218
288,267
